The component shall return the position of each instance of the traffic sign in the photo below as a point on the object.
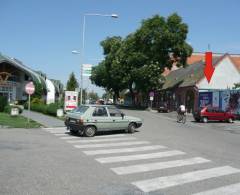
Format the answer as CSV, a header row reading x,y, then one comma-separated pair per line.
x,y
151,93
30,88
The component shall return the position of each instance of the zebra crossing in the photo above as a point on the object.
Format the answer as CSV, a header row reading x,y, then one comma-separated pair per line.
x,y
118,149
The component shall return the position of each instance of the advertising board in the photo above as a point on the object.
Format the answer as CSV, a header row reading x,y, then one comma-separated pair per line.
x,y
70,100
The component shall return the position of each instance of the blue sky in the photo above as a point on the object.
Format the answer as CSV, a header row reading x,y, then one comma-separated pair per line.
x,y
43,33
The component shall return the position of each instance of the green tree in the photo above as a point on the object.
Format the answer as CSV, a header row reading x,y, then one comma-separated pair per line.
x,y
142,56
72,83
236,86
93,96
108,73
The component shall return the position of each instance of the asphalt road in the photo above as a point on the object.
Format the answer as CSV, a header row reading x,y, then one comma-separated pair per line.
x,y
163,157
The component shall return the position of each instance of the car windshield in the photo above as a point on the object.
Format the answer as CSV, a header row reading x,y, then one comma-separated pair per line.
x,y
80,109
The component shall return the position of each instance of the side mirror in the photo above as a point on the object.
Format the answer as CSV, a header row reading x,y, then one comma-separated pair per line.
x,y
122,114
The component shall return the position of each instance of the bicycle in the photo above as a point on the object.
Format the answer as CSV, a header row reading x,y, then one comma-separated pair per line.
x,y
181,118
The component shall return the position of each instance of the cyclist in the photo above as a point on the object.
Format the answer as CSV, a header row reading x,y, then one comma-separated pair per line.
x,y
181,113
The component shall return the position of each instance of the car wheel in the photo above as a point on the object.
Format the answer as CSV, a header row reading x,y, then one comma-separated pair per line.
x,y
131,128
90,131
230,120
72,131
205,119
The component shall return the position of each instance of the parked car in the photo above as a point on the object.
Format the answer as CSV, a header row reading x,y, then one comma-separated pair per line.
x,y
163,107
214,114
89,119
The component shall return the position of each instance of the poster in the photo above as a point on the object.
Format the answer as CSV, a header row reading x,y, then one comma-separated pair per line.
x,y
71,100
224,99
205,99
215,99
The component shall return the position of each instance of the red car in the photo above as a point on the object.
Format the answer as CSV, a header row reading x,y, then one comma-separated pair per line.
x,y
214,114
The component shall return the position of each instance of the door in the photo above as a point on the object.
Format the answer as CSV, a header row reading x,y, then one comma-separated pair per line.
x,y
118,122
100,118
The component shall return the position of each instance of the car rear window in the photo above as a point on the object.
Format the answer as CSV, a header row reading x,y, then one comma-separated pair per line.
x,y
80,109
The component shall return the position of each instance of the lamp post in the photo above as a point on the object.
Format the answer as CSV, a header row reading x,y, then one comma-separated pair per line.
x,y
83,45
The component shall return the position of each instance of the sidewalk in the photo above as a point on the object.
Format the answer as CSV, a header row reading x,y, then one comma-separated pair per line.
x,y
47,121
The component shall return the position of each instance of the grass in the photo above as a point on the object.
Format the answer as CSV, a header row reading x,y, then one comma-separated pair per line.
x,y
16,121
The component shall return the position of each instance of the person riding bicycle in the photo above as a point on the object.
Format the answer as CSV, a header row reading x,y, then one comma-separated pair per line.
x,y
181,109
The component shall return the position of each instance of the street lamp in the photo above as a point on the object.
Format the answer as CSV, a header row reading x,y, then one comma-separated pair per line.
x,y
83,44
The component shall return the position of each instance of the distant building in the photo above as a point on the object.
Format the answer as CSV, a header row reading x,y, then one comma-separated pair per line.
x,y
183,85
14,75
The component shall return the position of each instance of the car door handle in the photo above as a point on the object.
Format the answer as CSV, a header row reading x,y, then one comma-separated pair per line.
x,y
95,120
113,120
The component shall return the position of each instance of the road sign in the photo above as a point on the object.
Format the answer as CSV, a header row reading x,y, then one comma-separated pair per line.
x,y
30,88
151,98
151,93
87,70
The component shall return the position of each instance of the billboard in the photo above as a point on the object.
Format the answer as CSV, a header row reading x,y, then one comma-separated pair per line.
x,y
224,100
71,100
205,99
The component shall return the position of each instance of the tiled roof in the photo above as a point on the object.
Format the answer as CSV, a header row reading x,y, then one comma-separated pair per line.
x,y
198,56
188,76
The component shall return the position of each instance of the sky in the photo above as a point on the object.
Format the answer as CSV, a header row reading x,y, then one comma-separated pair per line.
x,y
43,33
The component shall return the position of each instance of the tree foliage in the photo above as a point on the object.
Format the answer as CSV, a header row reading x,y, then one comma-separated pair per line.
x,y
236,86
72,83
142,56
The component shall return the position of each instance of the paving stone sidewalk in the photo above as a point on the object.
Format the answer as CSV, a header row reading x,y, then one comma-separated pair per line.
x,y
45,120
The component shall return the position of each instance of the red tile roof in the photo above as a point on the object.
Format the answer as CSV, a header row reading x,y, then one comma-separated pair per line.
x,y
198,56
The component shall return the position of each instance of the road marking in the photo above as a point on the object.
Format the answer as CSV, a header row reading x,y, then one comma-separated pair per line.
x,y
157,166
105,136
70,137
111,144
124,150
57,131
61,134
102,140
174,180
139,156
233,189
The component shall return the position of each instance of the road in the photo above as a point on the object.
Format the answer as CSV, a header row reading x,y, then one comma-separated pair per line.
x,y
163,157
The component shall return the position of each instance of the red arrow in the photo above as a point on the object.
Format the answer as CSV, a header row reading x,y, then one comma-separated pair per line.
x,y
208,69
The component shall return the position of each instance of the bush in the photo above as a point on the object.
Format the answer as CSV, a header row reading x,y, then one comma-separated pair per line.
x,y
3,103
7,109
39,108
37,101
52,109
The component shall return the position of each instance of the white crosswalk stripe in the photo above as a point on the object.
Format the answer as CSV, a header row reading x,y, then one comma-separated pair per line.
x,y
157,166
61,134
114,144
139,156
70,137
233,189
106,136
175,180
124,150
111,144
102,140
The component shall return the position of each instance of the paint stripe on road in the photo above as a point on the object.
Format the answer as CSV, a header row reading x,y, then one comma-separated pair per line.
x,y
111,144
124,150
175,180
61,134
102,140
233,189
69,137
139,156
158,166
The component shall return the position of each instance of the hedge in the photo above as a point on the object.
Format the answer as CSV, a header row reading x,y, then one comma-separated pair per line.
x,y
3,103
50,109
